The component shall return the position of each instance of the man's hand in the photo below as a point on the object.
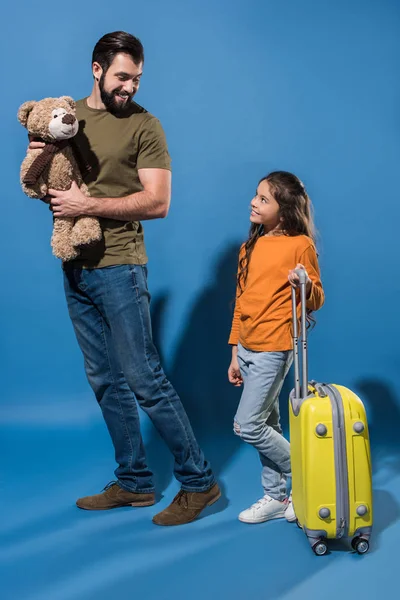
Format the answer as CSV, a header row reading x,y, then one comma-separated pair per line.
x,y
70,203
36,145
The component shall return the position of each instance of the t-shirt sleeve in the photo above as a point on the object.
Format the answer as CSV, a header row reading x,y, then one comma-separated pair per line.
x,y
153,150
310,261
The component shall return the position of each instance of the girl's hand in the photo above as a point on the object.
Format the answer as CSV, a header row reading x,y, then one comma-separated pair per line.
x,y
294,278
234,375
295,281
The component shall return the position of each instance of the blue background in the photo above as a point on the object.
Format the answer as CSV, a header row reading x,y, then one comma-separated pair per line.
x,y
241,88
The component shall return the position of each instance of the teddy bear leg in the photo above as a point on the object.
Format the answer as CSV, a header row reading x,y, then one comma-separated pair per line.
x,y
85,231
61,241
38,190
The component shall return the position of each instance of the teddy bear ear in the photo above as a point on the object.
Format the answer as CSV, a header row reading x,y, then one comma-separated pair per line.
x,y
69,101
24,111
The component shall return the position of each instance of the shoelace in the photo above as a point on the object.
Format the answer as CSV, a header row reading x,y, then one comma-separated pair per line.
x,y
110,485
262,501
182,499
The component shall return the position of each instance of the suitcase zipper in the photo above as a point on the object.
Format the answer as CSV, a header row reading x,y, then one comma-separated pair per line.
x,y
339,440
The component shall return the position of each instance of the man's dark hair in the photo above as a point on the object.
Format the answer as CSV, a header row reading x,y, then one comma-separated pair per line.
x,y
114,43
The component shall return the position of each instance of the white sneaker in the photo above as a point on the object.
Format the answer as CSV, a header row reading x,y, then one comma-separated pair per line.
x,y
265,509
289,512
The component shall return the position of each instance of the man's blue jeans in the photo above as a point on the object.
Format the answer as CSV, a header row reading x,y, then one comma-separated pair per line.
x,y
109,309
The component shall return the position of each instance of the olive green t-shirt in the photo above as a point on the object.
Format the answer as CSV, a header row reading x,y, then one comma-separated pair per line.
x,y
115,148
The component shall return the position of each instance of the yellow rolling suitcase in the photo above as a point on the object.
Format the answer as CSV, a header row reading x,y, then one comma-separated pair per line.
x,y
330,454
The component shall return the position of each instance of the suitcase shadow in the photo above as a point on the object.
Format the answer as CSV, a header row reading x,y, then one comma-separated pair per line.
x,y
386,513
383,412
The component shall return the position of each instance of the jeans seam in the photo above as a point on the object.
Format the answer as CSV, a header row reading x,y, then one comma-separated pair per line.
x,y
117,397
134,281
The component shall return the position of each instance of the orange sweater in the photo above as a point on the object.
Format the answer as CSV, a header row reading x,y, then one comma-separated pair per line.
x,y
262,320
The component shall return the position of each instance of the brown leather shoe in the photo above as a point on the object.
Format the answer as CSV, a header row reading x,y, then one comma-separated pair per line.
x,y
186,506
114,496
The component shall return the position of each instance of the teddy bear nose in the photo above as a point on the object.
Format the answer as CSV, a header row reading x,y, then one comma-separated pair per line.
x,y
68,119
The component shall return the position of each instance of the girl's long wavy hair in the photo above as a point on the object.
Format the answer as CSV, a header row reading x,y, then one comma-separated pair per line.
x,y
295,210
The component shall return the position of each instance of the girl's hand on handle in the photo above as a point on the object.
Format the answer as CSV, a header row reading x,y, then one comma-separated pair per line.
x,y
234,376
295,281
294,278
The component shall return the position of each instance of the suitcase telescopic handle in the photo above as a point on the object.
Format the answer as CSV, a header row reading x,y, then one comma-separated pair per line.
x,y
301,389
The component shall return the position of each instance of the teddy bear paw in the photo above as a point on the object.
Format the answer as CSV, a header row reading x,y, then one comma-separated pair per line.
x,y
86,231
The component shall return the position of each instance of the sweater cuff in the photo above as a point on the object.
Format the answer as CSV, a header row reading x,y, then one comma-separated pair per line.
x,y
234,338
311,298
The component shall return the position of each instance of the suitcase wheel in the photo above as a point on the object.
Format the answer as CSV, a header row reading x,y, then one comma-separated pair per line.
x,y
320,548
360,545
298,524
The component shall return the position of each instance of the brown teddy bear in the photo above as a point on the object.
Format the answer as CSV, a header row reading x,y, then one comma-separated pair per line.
x,y
53,121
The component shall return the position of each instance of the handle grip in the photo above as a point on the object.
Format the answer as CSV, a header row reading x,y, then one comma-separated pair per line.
x,y
300,390
301,275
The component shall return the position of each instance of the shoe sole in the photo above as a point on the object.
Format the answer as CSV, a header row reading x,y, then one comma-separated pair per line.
x,y
210,503
214,500
264,520
134,504
291,520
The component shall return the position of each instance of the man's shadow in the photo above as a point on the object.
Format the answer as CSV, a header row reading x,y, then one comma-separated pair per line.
x,y
199,372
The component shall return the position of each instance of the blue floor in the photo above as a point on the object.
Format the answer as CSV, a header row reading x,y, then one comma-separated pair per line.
x,y
51,550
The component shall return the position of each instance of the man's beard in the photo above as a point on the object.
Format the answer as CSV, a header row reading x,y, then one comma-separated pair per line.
x,y
110,102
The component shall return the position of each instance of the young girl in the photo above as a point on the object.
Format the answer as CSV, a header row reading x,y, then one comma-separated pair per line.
x,y
281,240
